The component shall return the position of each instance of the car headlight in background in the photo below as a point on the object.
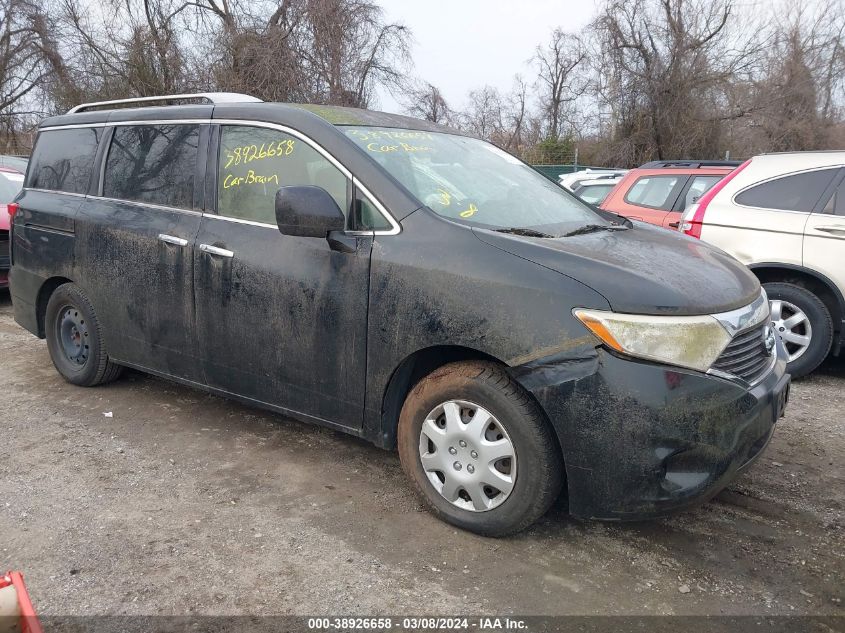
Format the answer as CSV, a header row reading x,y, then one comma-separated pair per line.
x,y
694,342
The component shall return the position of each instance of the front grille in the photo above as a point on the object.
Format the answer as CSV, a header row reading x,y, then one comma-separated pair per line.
x,y
746,356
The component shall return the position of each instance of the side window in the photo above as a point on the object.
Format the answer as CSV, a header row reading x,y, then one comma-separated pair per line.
x,y
63,159
367,217
798,192
836,204
153,163
594,194
698,187
255,162
653,191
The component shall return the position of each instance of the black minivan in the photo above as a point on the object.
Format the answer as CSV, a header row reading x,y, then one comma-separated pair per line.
x,y
403,282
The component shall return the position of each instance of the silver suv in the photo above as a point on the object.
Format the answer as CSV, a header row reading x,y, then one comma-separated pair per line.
x,y
783,215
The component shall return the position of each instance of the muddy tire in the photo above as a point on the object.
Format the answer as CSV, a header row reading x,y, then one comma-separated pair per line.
x,y
798,313
74,339
479,449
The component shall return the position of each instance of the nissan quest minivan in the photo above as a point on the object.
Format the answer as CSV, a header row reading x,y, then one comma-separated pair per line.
x,y
405,283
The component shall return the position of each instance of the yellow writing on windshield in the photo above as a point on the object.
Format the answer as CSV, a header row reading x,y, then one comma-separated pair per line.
x,y
401,147
396,135
469,211
445,197
251,178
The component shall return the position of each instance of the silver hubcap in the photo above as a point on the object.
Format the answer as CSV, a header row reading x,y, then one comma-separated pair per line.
x,y
793,326
467,456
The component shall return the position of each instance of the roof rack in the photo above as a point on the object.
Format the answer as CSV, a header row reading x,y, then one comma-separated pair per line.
x,y
690,164
211,97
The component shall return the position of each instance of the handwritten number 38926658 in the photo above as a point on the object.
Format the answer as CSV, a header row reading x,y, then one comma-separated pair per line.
x,y
250,153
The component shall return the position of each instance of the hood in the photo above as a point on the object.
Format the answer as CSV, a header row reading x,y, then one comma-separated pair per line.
x,y
644,270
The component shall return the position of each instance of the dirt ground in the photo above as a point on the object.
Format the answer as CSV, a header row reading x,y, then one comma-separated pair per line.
x,y
178,502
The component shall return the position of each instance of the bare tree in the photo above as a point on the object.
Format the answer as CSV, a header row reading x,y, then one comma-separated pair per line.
x,y
669,65
320,51
518,119
557,82
484,115
124,48
259,51
427,102
25,46
646,79
799,96
504,119
353,50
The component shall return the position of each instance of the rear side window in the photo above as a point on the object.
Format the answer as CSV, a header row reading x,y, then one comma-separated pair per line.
x,y
798,192
155,164
255,162
657,192
63,159
594,194
698,187
836,204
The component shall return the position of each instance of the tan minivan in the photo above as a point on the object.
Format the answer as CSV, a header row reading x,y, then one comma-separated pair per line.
x,y
783,215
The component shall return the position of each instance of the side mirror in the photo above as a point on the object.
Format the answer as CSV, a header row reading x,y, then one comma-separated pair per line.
x,y
307,211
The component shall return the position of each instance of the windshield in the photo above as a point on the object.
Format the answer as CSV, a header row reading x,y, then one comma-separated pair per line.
x,y
468,180
10,185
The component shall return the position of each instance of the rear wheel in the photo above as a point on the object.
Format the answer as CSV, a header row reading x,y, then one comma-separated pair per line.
x,y
74,339
803,323
479,449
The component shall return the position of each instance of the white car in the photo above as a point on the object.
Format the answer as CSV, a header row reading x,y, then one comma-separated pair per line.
x,y
783,215
570,181
595,190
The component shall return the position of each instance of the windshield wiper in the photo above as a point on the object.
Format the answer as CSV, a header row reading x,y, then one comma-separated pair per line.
x,y
523,232
592,228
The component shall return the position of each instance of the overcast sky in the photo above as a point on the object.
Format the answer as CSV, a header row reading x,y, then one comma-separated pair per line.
x,y
460,45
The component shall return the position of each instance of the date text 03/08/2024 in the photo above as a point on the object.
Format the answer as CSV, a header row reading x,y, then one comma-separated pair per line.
x,y
417,623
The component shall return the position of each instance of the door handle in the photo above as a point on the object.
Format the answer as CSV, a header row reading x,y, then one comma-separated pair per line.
x,y
214,250
674,225
178,241
836,228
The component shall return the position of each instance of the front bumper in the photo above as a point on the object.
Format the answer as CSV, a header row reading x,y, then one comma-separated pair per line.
x,y
641,439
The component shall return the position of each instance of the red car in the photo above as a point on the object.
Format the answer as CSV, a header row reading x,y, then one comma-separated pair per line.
x,y
660,191
11,182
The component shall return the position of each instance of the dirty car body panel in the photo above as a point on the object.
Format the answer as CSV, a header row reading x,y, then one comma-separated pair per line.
x,y
338,336
643,439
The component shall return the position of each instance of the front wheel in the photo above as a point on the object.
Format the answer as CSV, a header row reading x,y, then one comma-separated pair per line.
x,y
803,323
74,339
479,449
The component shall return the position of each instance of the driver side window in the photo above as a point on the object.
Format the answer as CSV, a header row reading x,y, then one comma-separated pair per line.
x,y
254,162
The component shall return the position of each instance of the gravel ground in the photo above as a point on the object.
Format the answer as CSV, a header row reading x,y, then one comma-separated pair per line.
x,y
145,497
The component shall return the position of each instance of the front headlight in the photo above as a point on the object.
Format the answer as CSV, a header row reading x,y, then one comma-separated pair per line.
x,y
687,341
